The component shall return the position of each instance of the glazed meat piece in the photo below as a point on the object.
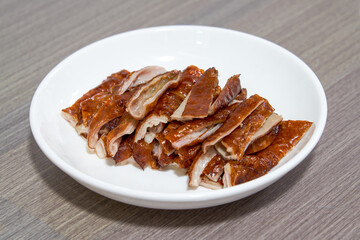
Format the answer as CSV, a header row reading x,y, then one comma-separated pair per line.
x,y
73,114
269,123
112,108
215,168
198,166
234,119
126,125
197,102
231,89
145,99
124,151
164,160
140,77
165,144
169,102
91,105
262,142
142,153
237,141
186,156
254,166
195,131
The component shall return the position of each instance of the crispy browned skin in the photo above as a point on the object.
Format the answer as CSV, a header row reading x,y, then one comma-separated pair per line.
x,y
234,119
214,168
186,156
164,143
125,149
165,159
262,142
112,108
201,95
91,105
106,86
172,98
145,99
197,124
237,141
126,125
242,95
142,153
254,166
229,92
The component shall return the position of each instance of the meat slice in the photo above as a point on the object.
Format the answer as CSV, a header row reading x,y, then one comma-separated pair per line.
x,y
73,114
145,99
187,155
237,141
197,102
91,105
262,142
270,122
169,102
126,126
207,183
215,168
195,131
244,109
142,153
124,151
254,166
231,89
140,77
111,109
242,95
198,166
164,159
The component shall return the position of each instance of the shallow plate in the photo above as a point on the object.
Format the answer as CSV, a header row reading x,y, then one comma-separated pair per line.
x,y
267,69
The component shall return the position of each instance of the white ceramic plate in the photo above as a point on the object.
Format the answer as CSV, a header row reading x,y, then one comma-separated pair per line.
x,y
267,69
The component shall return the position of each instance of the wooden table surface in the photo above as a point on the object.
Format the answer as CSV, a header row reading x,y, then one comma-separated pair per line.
x,y
319,199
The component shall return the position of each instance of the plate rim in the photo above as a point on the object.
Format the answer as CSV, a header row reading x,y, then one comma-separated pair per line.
x,y
270,177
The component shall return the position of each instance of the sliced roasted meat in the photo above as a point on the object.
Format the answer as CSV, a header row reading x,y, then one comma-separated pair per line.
x,y
145,99
198,166
244,109
195,131
91,105
268,125
140,77
187,155
165,144
237,141
100,148
126,126
169,102
254,166
142,153
262,142
215,168
164,159
198,101
207,183
112,108
242,95
124,151
231,89
73,114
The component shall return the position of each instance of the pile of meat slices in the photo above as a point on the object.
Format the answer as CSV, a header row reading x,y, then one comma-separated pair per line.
x,y
153,117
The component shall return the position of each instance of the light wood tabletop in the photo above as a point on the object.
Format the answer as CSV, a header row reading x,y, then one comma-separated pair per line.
x,y
319,199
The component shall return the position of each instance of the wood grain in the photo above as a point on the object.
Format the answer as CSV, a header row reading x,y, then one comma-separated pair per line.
x,y
319,199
